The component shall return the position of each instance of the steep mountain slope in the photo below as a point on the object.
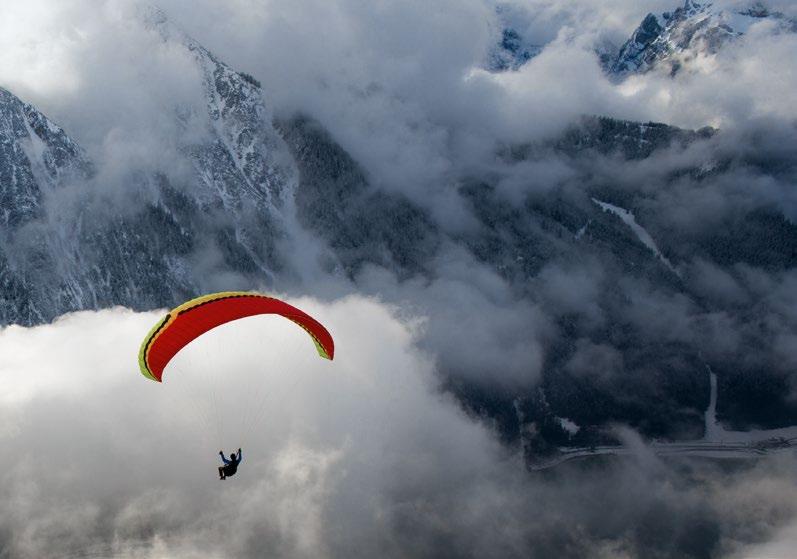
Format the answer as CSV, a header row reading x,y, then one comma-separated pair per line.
x,y
240,163
166,240
607,362
361,225
35,155
36,159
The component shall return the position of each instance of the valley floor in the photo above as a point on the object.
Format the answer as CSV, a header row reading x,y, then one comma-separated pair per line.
x,y
716,443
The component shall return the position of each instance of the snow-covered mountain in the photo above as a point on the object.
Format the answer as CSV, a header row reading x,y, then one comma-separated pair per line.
x,y
241,164
92,254
237,161
250,181
36,159
672,39
512,48
667,41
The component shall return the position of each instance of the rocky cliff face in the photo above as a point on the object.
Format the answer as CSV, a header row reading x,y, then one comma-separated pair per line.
x,y
35,156
36,159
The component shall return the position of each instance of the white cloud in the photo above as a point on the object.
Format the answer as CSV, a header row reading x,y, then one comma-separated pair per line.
x,y
358,457
334,446
782,546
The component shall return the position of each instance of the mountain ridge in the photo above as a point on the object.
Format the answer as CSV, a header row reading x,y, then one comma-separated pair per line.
x,y
674,39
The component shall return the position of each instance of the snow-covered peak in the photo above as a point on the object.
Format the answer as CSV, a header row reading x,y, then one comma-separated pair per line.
x,y
35,153
155,19
511,53
512,48
694,29
224,210
240,161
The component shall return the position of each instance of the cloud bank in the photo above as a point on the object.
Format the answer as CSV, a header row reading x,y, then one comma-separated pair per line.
x,y
399,86
352,458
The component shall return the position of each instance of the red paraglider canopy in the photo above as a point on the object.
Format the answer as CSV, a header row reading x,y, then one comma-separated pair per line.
x,y
197,316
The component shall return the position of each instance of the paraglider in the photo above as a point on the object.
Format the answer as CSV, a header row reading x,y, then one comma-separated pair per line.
x,y
230,466
193,318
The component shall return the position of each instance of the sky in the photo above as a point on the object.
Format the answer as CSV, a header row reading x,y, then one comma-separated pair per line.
x,y
368,455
